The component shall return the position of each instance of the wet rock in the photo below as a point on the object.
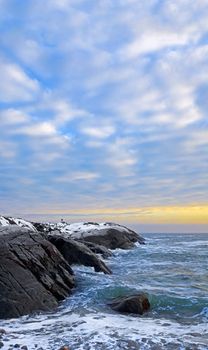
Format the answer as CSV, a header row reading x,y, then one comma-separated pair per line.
x,y
33,274
133,304
78,253
1,344
99,249
24,347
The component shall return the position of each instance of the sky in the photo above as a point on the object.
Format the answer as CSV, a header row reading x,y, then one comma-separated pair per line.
x,y
103,110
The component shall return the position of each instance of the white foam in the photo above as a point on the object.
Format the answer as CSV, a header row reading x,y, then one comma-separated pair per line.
x,y
108,329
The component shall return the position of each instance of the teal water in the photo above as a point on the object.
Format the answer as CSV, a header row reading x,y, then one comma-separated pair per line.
x,y
171,268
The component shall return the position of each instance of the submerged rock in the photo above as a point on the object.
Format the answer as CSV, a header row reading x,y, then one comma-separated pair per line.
x,y
78,253
133,304
33,274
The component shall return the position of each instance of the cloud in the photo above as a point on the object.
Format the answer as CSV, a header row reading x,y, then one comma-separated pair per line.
x,y
101,132
15,84
122,157
104,103
39,130
78,176
7,150
12,116
151,41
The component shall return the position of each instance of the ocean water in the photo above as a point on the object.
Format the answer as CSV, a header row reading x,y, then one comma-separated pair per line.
x,y
171,268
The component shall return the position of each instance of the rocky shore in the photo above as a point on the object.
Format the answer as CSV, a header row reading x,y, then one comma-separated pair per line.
x,y
36,260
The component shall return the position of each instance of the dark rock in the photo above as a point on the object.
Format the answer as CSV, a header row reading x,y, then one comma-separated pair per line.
x,y
1,344
39,226
33,274
99,249
113,238
133,304
2,331
64,348
24,347
78,253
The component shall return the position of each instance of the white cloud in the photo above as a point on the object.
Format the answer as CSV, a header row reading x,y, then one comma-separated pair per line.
x,y
78,176
121,156
15,84
197,139
101,132
151,41
38,129
65,112
13,116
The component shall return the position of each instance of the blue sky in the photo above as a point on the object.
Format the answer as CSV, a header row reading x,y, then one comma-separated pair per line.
x,y
103,104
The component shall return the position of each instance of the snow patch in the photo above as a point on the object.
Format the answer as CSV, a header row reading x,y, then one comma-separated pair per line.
x,y
17,222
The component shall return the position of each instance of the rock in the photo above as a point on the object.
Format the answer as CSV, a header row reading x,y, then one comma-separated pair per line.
x,y
99,249
5,221
78,253
64,348
33,274
1,344
133,304
24,347
112,238
109,235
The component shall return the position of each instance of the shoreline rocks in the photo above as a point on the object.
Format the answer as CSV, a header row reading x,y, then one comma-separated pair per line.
x,y
78,253
33,274
35,259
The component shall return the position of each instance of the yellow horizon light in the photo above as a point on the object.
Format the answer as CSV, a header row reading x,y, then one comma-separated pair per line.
x,y
190,214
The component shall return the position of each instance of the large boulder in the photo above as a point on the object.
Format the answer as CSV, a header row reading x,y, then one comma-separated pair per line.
x,y
78,253
132,304
109,235
33,274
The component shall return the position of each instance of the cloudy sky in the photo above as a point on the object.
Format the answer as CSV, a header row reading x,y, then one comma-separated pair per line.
x,y
104,108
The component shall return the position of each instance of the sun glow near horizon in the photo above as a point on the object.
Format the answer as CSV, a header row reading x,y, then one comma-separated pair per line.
x,y
190,214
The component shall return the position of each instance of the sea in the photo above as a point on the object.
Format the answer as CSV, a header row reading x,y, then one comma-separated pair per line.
x,y
171,268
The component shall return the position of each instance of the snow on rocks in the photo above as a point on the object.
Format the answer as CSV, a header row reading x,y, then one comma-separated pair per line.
x,y
6,221
110,235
